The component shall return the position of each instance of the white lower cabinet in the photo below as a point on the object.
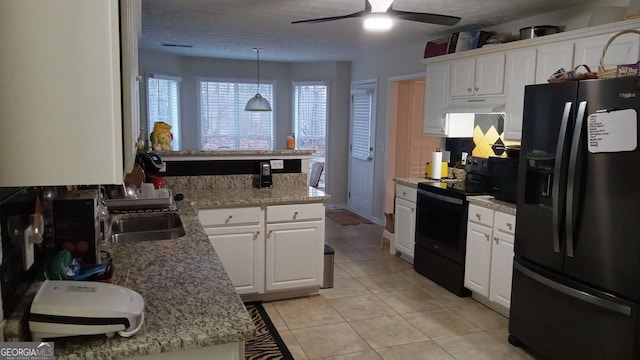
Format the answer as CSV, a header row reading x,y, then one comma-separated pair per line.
x,y
285,252
405,219
489,257
237,235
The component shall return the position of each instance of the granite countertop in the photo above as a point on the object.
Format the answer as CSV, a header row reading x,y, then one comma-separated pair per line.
x,y
231,153
189,300
410,181
490,202
241,196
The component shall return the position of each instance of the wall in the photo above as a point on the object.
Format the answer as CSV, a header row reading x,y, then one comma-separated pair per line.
x,y
282,74
407,59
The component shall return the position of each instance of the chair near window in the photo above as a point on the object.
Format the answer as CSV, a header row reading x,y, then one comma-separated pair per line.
x,y
316,172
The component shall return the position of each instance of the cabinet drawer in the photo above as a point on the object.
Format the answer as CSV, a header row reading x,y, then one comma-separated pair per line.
x,y
230,216
505,222
406,193
295,212
481,215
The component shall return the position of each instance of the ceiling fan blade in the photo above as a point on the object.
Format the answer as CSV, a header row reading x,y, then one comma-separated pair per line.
x,y
425,17
332,18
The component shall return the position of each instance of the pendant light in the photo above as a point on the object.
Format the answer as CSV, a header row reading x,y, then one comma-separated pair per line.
x,y
258,103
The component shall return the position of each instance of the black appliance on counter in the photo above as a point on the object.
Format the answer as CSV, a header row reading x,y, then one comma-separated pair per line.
x,y
503,178
149,161
576,274
441,226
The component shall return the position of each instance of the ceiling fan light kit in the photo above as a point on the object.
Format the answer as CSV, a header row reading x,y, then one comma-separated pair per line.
x,y
385,7
377,22
258,103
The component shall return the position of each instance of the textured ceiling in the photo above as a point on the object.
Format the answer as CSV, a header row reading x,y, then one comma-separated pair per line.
x,y
231,28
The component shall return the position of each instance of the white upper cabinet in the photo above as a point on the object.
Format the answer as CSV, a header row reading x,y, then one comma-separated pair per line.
x,y
624,49
520,72
435,98
61,118
552,57
483,75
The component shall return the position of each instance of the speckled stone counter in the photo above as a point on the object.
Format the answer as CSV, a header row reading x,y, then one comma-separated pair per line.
x,y
490,202
237,197
410,181
189,300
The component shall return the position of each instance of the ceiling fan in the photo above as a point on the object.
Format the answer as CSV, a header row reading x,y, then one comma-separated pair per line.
x,y
385,7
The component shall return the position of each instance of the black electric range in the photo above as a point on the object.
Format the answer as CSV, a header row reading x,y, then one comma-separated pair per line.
x,y
441,226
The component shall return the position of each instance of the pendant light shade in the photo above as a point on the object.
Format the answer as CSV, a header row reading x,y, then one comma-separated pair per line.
x,y
258,103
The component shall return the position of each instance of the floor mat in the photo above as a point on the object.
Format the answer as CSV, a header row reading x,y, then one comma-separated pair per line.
x,y
267,344
346,217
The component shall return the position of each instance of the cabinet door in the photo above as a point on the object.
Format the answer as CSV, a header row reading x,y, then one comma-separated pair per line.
x,y
462,77
489,78
520,71
478,258
61,118
241,250
435,98
501,268
624,49
405,226
294,255
552,57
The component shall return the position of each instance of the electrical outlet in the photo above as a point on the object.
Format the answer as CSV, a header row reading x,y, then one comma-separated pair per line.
x,y
277,164
28,255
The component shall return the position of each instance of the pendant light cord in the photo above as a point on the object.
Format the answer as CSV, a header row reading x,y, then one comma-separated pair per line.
x,y
257,50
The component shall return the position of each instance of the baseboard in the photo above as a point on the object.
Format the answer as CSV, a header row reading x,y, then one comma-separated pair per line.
x,y
335,206
280,295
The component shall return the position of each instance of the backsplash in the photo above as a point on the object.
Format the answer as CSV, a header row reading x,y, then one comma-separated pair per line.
x,y
488,136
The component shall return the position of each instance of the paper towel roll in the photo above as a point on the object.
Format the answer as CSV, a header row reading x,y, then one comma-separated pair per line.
x,y
436,165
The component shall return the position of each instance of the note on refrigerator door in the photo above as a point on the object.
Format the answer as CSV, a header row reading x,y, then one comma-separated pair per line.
x,y
612,131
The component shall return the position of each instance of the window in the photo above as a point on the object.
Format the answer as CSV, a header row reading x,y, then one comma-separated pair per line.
x,y
310,120
223,122
163,101
310,116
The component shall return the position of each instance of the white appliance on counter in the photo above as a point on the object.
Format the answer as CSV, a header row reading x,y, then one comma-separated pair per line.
x,y
69,308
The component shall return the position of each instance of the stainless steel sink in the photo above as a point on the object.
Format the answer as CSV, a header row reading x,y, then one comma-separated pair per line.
x,y
161,226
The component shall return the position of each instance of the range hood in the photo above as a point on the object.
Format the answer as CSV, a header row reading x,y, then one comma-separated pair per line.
x,y
476,105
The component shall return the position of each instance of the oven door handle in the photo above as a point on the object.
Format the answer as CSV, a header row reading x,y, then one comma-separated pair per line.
x,y
441,197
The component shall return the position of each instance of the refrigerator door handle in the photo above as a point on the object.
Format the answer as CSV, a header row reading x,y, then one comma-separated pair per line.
x,y
571,177
580,295
555,189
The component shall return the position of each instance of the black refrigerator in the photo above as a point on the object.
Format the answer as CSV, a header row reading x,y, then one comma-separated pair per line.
x,y
576,274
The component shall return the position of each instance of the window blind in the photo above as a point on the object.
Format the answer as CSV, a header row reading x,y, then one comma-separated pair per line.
x,y
163,104
224,124
310,117
362,102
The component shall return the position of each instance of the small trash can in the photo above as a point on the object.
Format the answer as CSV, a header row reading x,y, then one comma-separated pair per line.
x,y
327,278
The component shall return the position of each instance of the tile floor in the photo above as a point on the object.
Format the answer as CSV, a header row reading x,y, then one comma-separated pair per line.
x,y
379,308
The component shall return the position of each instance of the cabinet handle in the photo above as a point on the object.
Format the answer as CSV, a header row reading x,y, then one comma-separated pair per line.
x,y
486,236
404,193
258,232
229,217
496,239
270,231
479,216
509,225
477,88
295,214
469,89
